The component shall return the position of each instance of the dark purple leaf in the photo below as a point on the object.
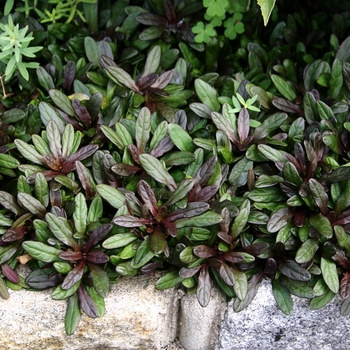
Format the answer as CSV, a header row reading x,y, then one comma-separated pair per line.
x,y
163,146
225,223
39,279
97,257
243,124
9,273
300,157
299,218
170,227
192,209
186,272
150,269
225,237
148,197
233,257
345,285
135,153
125,169
48,174
85,179
68,75
52,162
86,303
170,12
204,252
227,275
343,219
156,91
204,286
186,32
270,268
255,248
279,219
294,271
151,19
97,235
71,256
163,80
287,106
74,275
205,171
83,153
311,156
146,81
81,112
14,234
204,194
107,62
131,221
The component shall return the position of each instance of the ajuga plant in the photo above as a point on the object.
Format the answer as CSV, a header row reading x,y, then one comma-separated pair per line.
x,y
134,149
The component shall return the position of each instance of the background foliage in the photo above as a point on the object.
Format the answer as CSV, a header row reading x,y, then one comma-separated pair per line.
x,y
162,138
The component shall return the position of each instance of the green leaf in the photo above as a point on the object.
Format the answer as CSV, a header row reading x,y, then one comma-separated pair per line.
x,y
3,289
267,194
239,173
239,223
42,189
143,129
241,284
95,211
207,94
286,88
266,7
29,152
330,274
60,294
298,288
181,138
113,196
62,101
100,279
169,280
268,125
8,162
343,238
41,251
31,204
60,230
118,74
72,316
143,255
67,141
155,168
182,190
45,79
119,240
282,297
307,251
152,61
80,213
322,225
206,219
322,300
47,113
336,81
272,153
121,137
91,51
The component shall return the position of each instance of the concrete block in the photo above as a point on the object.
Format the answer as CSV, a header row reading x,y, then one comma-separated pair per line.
x,y
137,317
262,326
199,326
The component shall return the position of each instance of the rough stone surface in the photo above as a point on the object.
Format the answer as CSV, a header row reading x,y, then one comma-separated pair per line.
x,y
199,326
137,317
262,326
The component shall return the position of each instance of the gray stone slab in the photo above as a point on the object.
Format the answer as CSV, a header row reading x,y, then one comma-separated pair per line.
x,y
262,326
199,326
137,317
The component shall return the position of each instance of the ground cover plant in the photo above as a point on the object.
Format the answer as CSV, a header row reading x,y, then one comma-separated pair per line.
x,y
166,136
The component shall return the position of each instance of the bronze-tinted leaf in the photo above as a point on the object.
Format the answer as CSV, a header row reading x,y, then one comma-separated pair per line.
x,y
148,196
204,252
70,255
204,286
234,257
81,112
8,272
74,275
68,75
97,257
83,153
86,303
345,285
14,234
97,235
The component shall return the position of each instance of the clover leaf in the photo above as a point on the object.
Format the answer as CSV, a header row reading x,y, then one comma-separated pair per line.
x,y
215,7
234,26
204,32
215,21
